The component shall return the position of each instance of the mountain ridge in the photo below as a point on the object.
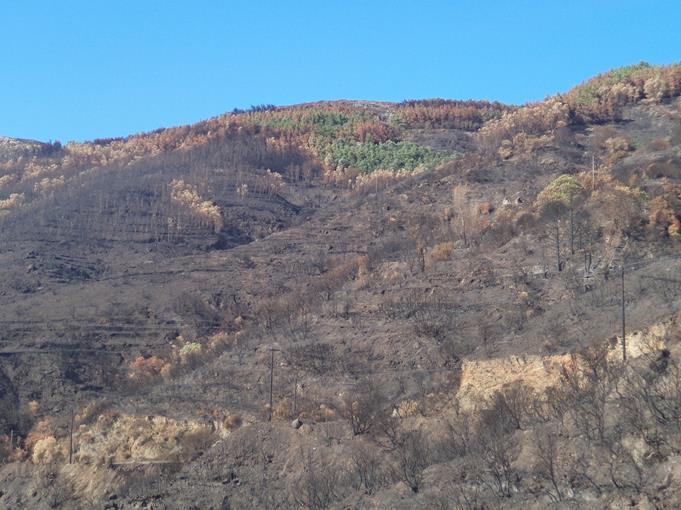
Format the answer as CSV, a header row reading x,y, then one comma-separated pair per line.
x,y
402,284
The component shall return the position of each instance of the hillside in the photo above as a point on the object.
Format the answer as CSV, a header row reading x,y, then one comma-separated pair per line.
x,y
435,286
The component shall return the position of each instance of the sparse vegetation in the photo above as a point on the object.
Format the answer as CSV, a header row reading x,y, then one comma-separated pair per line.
x,y
426,331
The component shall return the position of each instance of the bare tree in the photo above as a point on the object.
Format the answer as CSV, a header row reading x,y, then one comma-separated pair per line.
x,y
368,473
550,462
463,215
495,449
316,485
554,212
363,407
318,358
412,458
515,401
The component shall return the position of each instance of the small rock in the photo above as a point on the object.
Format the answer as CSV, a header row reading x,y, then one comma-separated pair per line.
x,y
306,428
645,504
297,423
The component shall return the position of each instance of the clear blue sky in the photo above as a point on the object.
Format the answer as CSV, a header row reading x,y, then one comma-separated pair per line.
x,y
77,69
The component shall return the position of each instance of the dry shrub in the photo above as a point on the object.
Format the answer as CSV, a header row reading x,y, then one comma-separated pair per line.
x,y
220,339
441,252
33,407
145,369
310,411
363,273
233,421
663,219
659,144
107,418
283,409
167,370
47,450
505,150
93,410
323,413
41,430
188,196
617,147
140,438
406,408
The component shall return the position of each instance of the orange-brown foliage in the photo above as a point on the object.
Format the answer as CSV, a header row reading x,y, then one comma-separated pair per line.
x,y
144,369
375,131
663,219
441,252
443,113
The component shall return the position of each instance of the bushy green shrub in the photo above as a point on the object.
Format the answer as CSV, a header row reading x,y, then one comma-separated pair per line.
x,y
368,156
564,189
190,349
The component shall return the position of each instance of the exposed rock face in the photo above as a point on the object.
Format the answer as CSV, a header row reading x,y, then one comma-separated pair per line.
x,y
480,379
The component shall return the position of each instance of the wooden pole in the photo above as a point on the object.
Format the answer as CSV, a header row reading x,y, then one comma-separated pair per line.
x,y
557,233
295,395
71,440
593,172
624,338
271,380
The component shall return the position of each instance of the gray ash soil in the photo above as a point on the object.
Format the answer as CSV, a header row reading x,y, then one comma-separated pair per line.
x,y
91,278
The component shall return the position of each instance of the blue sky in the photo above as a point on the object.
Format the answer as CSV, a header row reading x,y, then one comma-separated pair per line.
x,y
76,69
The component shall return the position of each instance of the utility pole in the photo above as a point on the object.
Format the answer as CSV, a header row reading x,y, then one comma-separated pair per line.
x,y
593,172
295,395
624,338
271,379
71,439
